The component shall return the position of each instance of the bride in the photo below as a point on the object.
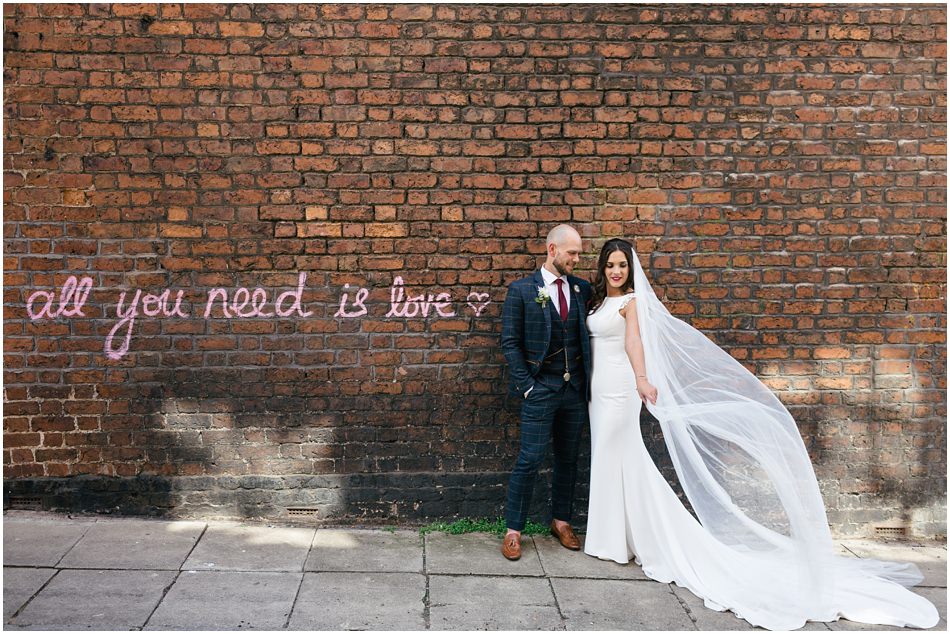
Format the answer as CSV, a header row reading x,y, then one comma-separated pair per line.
x,y
761,546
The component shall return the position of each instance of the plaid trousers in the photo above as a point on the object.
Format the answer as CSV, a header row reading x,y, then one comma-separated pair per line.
x,y
551,414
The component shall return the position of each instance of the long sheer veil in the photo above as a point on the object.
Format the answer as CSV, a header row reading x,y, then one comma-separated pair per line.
x,y
740,458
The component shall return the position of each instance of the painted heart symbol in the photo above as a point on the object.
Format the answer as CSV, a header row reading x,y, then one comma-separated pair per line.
x,y
482,300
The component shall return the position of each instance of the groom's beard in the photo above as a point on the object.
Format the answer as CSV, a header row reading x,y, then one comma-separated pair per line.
x,y
563,267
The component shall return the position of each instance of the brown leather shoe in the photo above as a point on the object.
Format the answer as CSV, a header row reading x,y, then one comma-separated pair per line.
x,y
566,536
511,547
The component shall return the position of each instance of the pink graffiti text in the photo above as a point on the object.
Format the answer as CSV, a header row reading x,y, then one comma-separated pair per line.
x,y
72,292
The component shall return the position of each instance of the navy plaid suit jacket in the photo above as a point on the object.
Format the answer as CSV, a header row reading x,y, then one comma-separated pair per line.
x,y
526,329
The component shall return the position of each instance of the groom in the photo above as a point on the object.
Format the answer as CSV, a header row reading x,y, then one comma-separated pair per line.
x,y
544,339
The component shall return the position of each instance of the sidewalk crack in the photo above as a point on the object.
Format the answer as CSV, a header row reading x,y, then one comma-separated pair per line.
x,y
689,613
168,588
165,592
547,577
303,573
193,546
68,550
426,613
32,596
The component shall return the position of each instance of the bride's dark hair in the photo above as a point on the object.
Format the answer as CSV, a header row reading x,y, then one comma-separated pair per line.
x,y
600,280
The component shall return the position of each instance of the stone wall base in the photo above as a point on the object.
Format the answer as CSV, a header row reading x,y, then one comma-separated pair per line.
x,y
372,499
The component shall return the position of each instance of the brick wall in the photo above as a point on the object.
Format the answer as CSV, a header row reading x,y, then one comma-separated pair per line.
x,y
781,169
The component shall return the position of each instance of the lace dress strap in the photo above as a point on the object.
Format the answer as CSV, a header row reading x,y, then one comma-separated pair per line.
x,y
626,300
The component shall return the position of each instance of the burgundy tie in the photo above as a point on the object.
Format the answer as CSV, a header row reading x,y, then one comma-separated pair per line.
x,y
561,298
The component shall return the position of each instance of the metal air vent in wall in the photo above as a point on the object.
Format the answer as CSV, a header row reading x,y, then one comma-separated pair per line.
x,y
890,531
25,503
304,512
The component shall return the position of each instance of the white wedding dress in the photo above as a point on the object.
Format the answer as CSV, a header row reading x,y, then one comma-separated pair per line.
x,y
634,514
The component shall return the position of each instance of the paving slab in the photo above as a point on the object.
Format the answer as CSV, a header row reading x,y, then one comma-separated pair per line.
x,y
134,544
707,619
202,600
360,601
558,561
19,584
937,596
492,603
95,600
249,547
478,554
337,550
615,604
39,542
930,558
107,573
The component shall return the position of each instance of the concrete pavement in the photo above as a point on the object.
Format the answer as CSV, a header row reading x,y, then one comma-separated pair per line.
x,y
107,573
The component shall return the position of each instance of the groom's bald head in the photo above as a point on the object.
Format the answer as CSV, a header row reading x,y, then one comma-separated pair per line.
x,y
559,234
564,249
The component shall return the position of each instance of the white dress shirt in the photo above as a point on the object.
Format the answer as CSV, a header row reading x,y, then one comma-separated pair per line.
x,y
551,287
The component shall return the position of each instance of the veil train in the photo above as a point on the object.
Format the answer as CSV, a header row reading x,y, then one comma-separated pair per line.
x,y
743,466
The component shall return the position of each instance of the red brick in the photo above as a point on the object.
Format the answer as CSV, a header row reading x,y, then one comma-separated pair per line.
x,y
788,212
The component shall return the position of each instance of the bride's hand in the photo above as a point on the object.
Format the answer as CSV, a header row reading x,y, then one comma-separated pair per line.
x,y
647,392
